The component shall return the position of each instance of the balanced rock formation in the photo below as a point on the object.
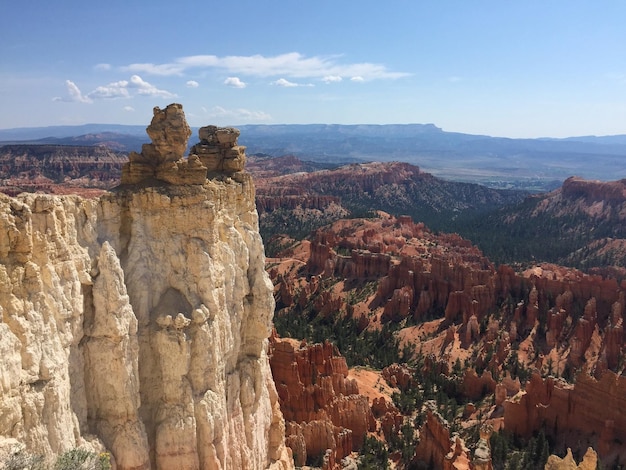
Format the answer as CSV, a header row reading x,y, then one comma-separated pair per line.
x,y
162,160
218,149
138,322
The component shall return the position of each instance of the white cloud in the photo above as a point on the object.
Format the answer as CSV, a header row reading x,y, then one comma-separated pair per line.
x,y
454,79
119,89
152,69
357,79
282,82
129,108
112,90
147,89
192,84
102,67
73,94
331,79
234,82
238,114
292,64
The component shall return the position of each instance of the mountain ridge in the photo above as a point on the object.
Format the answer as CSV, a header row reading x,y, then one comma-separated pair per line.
x,y
452,155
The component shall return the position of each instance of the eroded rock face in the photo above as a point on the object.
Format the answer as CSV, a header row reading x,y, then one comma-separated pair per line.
x,y
321,404
169,132
588,407
437,447
138,323
59,169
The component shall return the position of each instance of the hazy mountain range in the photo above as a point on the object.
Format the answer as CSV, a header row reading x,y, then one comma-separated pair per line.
x,y
534,164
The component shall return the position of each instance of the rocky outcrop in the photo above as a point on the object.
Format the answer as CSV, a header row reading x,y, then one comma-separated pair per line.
x,y
588,407
138,322
589,461
162,160
269,204
593,191
482,452
321,405
218,149
416,270
436,447
399,376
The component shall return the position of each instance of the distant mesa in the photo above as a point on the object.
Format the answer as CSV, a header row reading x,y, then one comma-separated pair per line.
x,y
611,191
163,159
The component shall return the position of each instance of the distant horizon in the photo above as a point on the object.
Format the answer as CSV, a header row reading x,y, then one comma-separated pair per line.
x,y
144,125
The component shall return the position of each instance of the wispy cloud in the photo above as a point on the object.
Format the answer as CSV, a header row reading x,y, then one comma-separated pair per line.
x,y
102,67
130,109
293,65
192,84
112,90
73,94
282,82
357,79
147,89
332,79
234,82
239,114
153,69
120,89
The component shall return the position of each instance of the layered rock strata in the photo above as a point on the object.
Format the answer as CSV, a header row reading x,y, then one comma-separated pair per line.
x,y
138,322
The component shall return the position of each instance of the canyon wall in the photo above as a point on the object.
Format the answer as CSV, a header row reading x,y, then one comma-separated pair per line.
x,y
137,323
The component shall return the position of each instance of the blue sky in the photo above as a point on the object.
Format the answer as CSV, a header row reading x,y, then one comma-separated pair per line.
x,y
505,68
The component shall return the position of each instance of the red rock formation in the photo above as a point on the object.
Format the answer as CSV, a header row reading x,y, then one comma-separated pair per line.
x,y
389,417
475,387
579,315
291,202
613,191
321,405
59,169
416,274
399,375
614,335
436,447
590,407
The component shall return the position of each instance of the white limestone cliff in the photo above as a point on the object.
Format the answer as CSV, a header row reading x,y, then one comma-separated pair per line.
x,y
137,323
